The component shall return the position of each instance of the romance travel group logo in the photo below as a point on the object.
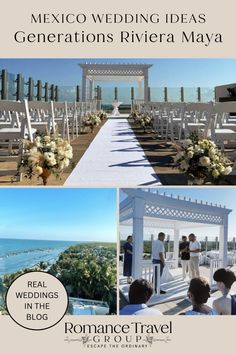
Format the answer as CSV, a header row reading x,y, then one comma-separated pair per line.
x,y
133,335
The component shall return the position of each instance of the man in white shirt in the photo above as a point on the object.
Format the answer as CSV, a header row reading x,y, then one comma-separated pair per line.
x,y
158,256
194,250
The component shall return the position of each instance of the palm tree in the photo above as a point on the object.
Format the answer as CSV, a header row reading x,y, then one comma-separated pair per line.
x,y
89,271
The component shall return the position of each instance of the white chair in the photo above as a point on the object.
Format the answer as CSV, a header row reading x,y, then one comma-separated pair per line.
x,y
197,118
176,120
14,134
73,113
155,111
9,120
220,132
42,116
80,115
163,118
60,117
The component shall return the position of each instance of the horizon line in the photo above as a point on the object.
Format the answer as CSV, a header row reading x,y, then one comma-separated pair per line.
x,y
36,239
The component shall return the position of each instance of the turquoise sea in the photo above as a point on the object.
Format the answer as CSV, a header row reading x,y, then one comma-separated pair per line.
x,y
16,254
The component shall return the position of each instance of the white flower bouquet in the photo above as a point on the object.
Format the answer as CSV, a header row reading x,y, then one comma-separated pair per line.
x,y
91,120
134,115
102,115
44,156
145,121
142,119
201,160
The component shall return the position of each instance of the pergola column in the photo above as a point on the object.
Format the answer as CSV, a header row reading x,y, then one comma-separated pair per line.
x,y
140,93
146,85
91,89
223,250
152,239
84,84
176,246
138,213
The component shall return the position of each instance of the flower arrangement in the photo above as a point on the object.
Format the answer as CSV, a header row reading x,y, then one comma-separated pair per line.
x,y
91,120
134,115
44,156
142,119
102,115
200,159
145,121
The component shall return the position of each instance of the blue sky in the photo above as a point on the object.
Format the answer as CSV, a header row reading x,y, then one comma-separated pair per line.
x,y
58,214
165,72
224,196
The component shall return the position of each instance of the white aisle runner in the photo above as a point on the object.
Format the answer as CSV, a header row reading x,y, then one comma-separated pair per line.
x,y
113,159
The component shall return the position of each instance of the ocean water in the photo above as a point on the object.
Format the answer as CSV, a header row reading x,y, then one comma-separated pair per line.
x,y
18,254
68,93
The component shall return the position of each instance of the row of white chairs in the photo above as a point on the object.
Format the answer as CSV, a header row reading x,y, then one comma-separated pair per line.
x,y
177,120
65,116
21,120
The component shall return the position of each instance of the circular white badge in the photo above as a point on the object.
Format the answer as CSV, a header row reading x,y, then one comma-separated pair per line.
x,y
36,300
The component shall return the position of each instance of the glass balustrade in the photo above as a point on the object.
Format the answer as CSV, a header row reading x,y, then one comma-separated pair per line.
x,y
68,93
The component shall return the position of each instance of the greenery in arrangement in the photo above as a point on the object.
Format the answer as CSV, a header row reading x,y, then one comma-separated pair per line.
x,y
46,154
102,115
134,115
201,160
142,119
86,270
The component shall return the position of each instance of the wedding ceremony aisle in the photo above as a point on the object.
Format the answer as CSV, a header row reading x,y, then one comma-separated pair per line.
x,y
113,159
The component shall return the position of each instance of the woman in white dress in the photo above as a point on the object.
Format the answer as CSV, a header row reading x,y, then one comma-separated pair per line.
x,y
199,292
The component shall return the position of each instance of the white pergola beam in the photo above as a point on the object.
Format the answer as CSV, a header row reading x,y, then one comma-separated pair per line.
x,y
111,78
158,223
118,72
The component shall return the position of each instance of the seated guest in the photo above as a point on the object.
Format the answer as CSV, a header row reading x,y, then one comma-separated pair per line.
x,y
198,293
140,292
226,304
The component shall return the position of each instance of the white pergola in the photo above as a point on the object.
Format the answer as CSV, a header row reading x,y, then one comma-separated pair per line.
x,y
92,72
150,208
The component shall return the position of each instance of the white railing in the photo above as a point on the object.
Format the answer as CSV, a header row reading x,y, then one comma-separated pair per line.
x,y
152,273
214,265
232,258
169,256
171,264
147,271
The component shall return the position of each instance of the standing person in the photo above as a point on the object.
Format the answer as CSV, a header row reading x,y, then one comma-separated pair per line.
x,y
184,254
226,304
128,252
194,250
158,256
